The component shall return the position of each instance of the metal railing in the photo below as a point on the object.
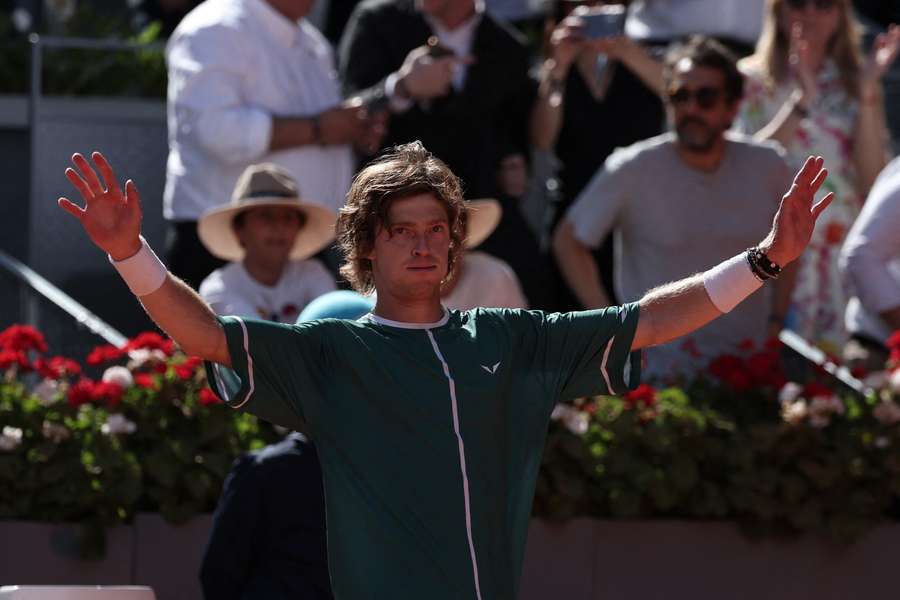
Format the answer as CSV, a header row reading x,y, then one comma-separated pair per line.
x,y
34,288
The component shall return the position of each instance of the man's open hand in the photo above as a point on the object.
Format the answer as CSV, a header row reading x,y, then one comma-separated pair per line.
x,y
111,218
797,215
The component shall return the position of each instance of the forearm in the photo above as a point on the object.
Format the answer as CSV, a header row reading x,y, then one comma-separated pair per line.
x,y
673,310
187,319
870,149
648,69
290,132
547,113
578,268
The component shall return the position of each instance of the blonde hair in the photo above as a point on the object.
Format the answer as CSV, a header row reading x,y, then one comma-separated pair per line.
x,y
771,55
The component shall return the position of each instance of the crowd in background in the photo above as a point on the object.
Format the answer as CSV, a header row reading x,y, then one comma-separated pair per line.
x,y
596,170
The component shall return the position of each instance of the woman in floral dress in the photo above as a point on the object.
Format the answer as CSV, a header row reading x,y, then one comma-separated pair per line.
x,y
809,88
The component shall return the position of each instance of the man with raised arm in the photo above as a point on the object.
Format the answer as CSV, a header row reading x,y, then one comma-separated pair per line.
x,y
429,423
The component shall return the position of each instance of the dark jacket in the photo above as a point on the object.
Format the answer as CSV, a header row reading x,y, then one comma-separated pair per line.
x,y
465,129
268,536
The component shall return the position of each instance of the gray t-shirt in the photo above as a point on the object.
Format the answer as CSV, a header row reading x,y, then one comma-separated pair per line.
x,y
672,221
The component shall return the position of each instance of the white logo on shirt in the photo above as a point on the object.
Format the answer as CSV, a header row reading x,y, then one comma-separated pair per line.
x,y
491,370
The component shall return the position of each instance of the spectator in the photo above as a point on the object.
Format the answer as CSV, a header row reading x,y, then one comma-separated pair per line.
x,y
252,81
268,536
870,260
514,240
464,105
594,96
268,233
809,89
482,280
672,200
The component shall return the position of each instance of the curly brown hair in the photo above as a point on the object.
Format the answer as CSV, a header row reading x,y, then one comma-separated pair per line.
x,y
404,171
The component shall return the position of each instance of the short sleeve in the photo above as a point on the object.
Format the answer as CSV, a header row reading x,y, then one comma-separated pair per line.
x,y
597,208
276,371
588,353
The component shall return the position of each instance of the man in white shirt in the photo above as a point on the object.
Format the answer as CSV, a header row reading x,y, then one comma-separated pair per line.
x,y
870,262
252,81
268,233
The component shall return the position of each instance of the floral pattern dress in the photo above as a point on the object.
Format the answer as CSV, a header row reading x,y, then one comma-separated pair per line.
x,y
820,297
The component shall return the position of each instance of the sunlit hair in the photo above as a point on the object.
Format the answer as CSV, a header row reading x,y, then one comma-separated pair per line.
x,y
772,49
706,52
404,171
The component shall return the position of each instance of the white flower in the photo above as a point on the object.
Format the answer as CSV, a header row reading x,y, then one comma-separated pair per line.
x,y
118,375
793,412
47,392
142,356
876,380
117,424
887,412
882,442
21,20
575,421
10,438
55,431
895,381
789,392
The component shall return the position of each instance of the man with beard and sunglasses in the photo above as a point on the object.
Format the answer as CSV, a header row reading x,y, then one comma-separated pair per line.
x,y
674,200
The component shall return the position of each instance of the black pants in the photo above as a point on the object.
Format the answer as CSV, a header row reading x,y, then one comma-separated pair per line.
x,y
186,256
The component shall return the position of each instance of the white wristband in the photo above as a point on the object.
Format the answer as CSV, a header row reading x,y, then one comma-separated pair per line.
x,y
730,282
144,272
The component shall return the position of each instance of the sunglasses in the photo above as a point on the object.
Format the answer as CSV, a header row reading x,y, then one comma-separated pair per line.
x,y
705,97
821,5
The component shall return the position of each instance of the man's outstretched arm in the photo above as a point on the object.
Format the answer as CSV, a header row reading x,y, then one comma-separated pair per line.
x,y
112,219
676,309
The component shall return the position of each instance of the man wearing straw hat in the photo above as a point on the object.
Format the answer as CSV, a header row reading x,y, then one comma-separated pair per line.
x,y
429,423
268,233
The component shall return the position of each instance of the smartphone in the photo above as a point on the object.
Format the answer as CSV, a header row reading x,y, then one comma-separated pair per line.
x,y
436,50
603,21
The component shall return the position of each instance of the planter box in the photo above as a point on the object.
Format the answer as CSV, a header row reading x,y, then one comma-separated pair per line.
x,y
29,557
586,559
582,559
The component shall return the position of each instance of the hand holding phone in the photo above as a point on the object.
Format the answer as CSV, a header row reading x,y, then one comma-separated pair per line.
x,y
602,22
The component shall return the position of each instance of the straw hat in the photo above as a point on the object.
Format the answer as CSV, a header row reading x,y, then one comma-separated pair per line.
x,y
265,185
484,216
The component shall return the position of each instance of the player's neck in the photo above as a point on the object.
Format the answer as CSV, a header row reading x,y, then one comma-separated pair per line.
x,y
425,309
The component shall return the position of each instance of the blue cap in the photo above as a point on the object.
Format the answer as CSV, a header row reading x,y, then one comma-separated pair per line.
x,y
341,304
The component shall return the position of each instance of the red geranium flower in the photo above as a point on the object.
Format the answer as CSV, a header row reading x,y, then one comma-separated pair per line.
x,y
893,342
108,392
81,392
22,338
722,366
8,358
739,381
644,394
104,354
765,368
149,340
57,367
747,345
145,380
207,397
160,368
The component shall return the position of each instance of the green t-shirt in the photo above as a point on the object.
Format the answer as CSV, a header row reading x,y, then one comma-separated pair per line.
x,y
430,435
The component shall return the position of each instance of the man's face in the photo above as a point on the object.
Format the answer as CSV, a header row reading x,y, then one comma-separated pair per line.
x,y
411,251
697,106
267,233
